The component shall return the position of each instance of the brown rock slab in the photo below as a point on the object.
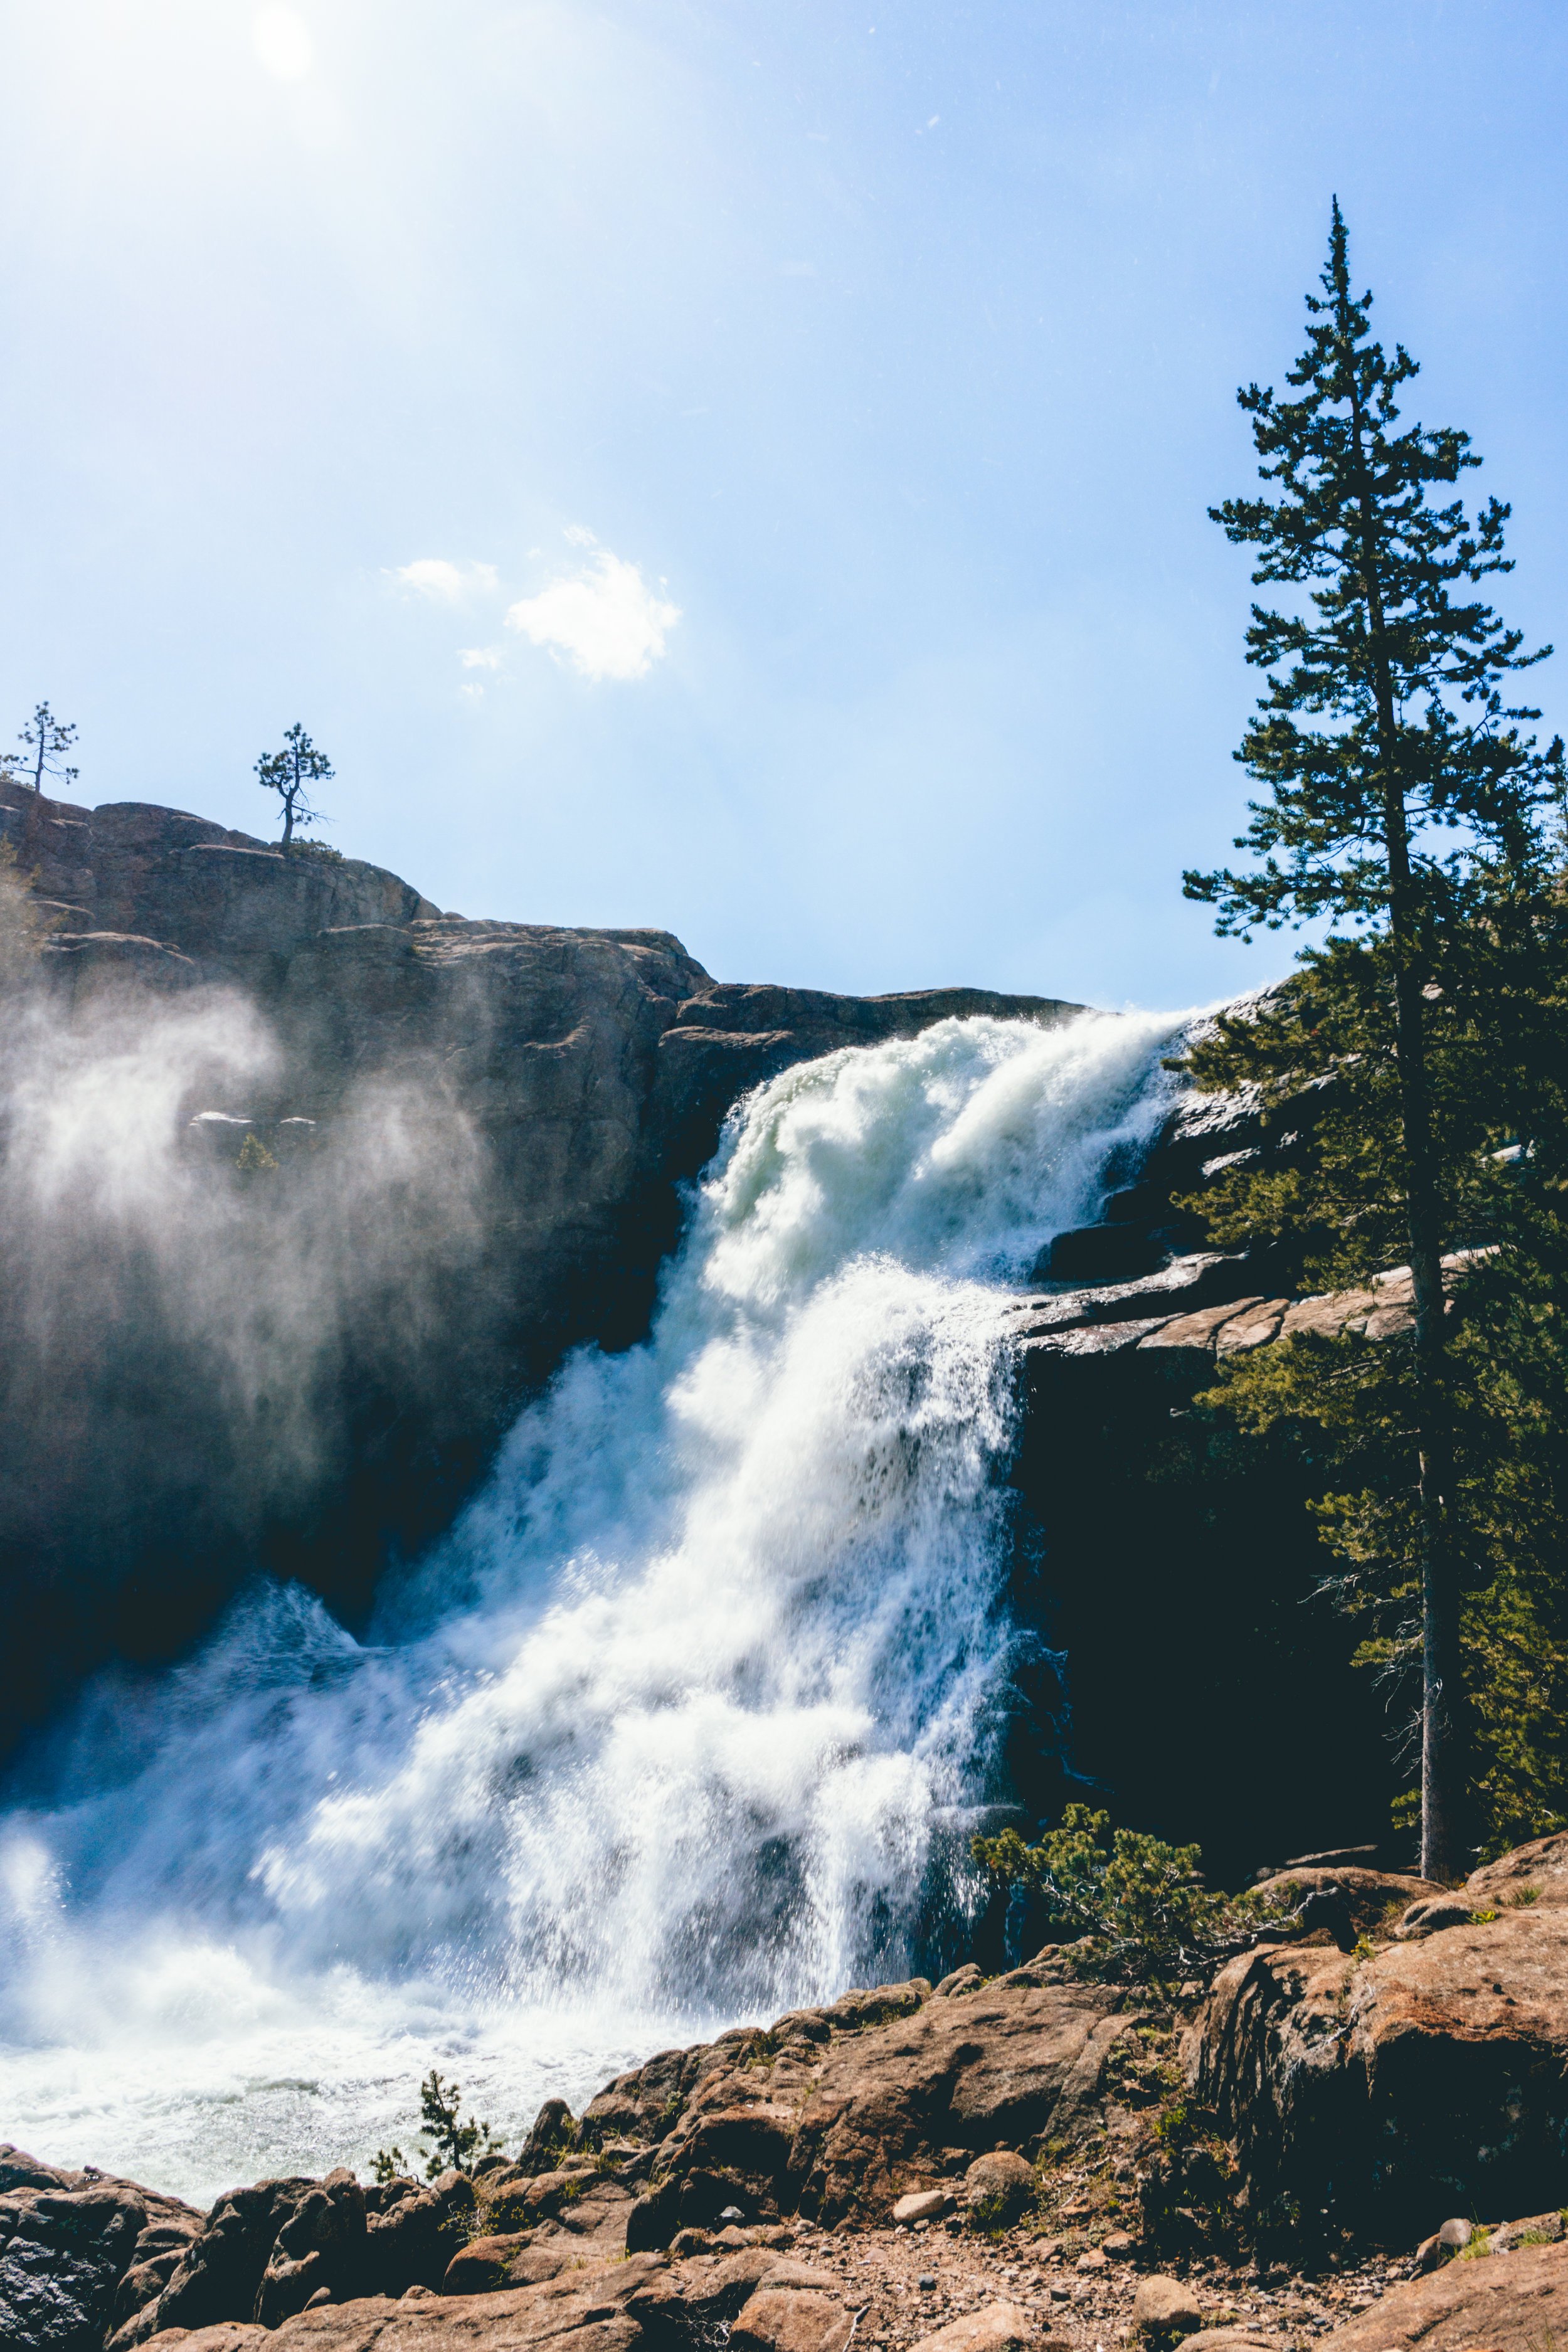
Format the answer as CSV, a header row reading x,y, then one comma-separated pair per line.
x,y
485,2264
1542,1865
1502,2303
840,2114
1253,1326
228,2336
792,2319
1432,2078
999,2327
1373,1895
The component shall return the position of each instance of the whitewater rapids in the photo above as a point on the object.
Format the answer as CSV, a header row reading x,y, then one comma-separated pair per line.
x,y
677,1728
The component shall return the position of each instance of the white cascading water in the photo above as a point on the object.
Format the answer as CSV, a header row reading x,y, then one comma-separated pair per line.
x,y
676,1729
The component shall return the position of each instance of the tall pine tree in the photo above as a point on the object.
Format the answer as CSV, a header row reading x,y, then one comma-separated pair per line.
x,y
1403,800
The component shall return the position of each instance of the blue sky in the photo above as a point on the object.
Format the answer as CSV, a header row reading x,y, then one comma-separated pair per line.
x,y
731,467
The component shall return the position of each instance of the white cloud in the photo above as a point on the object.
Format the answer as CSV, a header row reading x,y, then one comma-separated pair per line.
x,y
605,618
282,41
480,657
446,583
579,535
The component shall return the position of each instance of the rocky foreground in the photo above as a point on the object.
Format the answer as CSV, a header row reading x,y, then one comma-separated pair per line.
x,y
1321,2141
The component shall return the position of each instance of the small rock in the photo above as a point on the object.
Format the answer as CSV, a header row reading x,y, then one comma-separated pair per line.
x,y
1455,2233
926,2279
731,2214
1118,2246
923,2205
1095,2259
1164,2307
998,2186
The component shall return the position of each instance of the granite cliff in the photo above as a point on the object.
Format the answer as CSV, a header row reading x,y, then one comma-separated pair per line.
x,y
408,1160
550,1091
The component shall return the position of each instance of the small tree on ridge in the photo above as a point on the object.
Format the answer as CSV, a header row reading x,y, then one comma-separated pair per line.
x,y
46,740
289,773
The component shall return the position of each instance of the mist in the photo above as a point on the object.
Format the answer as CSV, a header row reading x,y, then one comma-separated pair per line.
x,y
216,1311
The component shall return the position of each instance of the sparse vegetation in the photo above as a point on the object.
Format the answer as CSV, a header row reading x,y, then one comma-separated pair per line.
x,y
1136,1907
457,2142
45,741
289,773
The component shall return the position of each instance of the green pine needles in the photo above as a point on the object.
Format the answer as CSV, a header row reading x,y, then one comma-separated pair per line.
x,y
1404,670
1409,810
459,2142
1140,1903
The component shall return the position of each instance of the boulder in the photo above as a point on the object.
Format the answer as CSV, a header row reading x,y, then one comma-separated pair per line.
x,y
485,2264
1165,2306
1431,2077
411,2239
968,1978
552,2129
998,2327
998,2188
792,2319
1536,1873
1432,1913
1373,1898
63,2252
320,2248
219,2275
1517,2303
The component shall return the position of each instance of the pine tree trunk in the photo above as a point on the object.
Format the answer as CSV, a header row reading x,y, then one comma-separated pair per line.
x,y
1441,1769
1442,1765
1442,1774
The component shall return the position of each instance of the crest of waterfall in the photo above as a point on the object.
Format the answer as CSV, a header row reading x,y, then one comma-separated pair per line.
x,y
679,1723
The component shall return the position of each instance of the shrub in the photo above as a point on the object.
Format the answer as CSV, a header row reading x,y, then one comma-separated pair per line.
x,y
459,2141
1141,1903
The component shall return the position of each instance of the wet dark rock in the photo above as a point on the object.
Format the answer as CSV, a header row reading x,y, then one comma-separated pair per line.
x,y
572,1080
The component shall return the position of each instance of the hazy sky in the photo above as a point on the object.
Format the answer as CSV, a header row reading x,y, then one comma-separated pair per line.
x,y
738,468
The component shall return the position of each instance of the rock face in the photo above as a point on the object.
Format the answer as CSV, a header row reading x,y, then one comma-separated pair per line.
x,y
515,1104
846,2110
1429,2078
78,2251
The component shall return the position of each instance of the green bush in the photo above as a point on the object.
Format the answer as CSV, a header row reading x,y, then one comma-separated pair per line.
x,y
1140,1903
459,2141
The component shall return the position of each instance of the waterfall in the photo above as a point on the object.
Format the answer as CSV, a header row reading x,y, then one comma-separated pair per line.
x,y
677,1726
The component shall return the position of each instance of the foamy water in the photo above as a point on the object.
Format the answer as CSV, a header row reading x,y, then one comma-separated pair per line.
x,y
682,1725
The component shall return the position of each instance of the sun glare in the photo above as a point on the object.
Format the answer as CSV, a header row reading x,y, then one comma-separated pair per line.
x,y
283,42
